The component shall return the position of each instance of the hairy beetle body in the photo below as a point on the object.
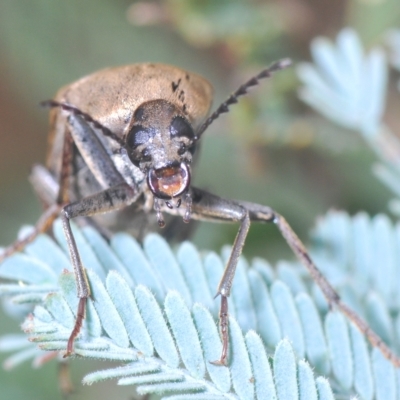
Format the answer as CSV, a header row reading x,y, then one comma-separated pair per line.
x,y
122,143
113,97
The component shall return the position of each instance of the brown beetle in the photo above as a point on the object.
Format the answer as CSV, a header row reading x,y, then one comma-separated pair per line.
x,y
123,140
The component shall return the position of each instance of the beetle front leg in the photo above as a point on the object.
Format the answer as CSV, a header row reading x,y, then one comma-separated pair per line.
x,y
108,200
224,329
206,206
266,214
210,207
225,284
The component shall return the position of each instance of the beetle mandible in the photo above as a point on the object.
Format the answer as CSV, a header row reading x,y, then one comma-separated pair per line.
x,y
123,139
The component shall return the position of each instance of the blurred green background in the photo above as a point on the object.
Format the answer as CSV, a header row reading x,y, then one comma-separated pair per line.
x,y
269,149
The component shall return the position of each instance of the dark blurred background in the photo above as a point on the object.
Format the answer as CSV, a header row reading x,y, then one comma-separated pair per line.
x,y
270,148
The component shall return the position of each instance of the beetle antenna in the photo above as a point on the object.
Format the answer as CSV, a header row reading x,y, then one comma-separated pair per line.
x,y
233,98
65,106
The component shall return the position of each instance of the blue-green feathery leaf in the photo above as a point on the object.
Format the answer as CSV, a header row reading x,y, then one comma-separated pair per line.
x,y
385,377
363,381
324,389
315,342
194,274
239,363
168,343
349,87
268,323
213,267
164,262
185,334
285,372
47,251
263,378
344,85
104,253
20,267
157,326
127,308
136,368
109,316
307,387
288,316
211,345
340,350
128,249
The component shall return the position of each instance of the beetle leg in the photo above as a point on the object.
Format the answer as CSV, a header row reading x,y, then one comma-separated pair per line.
x,y
117,194
43,224
93,152
42,185
207,206
111,199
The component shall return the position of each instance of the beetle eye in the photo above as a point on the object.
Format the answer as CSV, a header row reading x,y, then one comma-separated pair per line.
x,y
182,149
180,127
139,135
146,156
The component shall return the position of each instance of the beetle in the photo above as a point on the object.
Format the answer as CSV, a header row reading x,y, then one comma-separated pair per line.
x,y
123,139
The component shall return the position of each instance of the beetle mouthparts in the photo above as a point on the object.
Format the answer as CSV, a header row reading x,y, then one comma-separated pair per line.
x,y
169,182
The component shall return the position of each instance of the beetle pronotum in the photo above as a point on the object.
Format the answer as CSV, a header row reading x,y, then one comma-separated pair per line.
x,y
126,136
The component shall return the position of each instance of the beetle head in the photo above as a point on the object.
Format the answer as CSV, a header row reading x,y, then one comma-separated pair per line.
x,y
161,142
